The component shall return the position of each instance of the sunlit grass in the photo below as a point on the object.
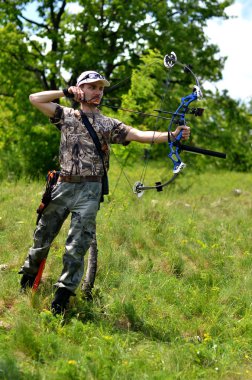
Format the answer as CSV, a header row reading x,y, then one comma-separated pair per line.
x,y
172,297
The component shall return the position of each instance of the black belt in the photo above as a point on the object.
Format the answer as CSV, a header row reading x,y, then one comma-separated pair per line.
x,y
79,178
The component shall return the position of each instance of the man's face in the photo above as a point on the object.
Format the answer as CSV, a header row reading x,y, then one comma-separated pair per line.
x,y
93,92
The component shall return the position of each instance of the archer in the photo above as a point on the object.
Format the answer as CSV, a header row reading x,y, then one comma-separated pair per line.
x,y
86,135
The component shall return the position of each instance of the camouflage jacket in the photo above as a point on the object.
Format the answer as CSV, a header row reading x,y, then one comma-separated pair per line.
x,y
78,154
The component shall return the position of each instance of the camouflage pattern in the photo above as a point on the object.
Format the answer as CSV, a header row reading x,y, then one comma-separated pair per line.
x,y
82,200
78,154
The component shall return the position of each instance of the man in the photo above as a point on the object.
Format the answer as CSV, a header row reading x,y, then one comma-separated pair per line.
x,y
79,187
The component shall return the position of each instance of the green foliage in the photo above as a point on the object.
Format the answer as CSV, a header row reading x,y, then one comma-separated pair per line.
x,y
225,125
231,128
47,50
28,146
172,297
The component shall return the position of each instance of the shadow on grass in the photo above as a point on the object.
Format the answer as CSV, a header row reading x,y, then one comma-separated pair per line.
x,y
123,317
132,322
120,320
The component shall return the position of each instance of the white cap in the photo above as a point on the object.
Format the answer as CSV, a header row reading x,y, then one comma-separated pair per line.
x,y
90,77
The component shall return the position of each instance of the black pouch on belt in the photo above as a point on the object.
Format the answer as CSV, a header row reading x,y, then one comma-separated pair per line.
x,y
51,180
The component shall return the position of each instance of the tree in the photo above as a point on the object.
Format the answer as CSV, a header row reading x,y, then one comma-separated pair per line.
x,y
108,35
225,126
48,50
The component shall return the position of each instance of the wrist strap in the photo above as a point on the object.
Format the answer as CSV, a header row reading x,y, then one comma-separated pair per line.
x,y
67,93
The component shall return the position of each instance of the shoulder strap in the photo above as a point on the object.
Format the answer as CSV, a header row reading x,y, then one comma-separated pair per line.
x,y
92,133
97,143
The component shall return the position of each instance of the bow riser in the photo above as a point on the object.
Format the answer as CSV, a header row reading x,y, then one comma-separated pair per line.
x,y
179,118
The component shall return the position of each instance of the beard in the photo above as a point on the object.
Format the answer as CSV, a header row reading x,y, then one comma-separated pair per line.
x,y
96,100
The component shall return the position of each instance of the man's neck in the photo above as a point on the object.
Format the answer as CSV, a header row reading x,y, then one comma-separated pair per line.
x,y
89,108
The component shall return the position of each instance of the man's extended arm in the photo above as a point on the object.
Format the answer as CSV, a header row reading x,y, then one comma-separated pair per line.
x,y
156,137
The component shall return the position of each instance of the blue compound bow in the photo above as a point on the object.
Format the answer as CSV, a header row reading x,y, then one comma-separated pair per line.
x,y
178,118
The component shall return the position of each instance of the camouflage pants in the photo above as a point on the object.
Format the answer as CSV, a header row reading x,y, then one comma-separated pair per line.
x,y
82,201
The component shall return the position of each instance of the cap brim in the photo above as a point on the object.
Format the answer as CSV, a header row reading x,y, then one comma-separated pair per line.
x,y
104,82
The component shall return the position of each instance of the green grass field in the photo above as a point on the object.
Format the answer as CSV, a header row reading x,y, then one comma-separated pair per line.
x,y
173,293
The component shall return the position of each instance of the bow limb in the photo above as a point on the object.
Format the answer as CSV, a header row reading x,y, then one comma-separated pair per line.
x,y
139,187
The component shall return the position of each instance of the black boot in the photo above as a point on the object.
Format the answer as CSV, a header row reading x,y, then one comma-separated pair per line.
x,y
61,300
27,281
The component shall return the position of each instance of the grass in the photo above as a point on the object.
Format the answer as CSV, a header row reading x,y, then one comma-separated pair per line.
x,y
173,293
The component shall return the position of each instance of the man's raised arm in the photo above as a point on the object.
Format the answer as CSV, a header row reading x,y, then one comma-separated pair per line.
x,y
44,101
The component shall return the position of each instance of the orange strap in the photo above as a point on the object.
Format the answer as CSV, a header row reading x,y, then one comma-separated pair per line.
x,y
39,275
